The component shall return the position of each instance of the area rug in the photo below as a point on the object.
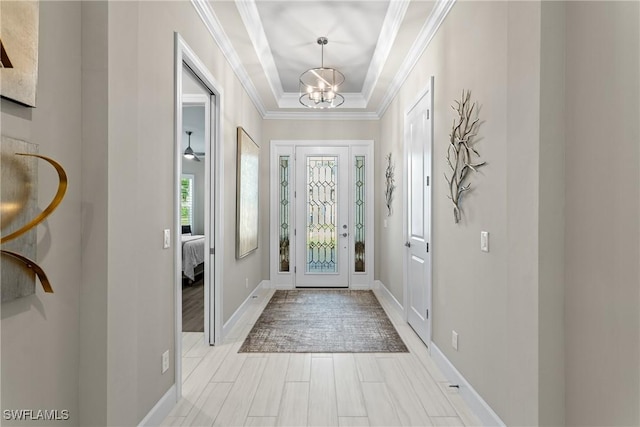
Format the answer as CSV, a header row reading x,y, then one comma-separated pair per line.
x,y
323,321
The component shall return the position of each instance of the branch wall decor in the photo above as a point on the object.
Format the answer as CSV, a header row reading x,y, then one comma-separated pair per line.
x,y
390,181
460,151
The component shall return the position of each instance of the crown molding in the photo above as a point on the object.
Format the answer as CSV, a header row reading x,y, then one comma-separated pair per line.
x,y
388,33
321,115
212,23
253,23
393,20
292,100
428,31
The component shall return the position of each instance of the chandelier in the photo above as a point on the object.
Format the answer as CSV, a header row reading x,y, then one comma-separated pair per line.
x,y
319,86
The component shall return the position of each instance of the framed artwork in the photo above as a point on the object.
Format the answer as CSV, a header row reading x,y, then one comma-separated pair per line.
x,y
247,185
19,51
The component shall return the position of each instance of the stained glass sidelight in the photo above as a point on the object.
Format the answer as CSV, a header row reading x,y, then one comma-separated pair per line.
x,y
284,213
322,214
359,217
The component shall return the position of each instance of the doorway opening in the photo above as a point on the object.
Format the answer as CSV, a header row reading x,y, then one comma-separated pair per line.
x,y
197,209
322,214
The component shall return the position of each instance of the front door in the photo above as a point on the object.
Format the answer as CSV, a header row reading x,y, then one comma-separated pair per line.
x,y
418,275
322,217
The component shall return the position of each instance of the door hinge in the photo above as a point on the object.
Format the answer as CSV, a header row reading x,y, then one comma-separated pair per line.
x,y
294,231
212,251
428,181
427,314
427,114
295,270
427,246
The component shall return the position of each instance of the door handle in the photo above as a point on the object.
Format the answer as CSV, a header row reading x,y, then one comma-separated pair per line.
x,y
344,234
408,244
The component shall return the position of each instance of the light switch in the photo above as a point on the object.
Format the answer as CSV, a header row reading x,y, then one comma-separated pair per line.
x,y
484,241
167,239
384,223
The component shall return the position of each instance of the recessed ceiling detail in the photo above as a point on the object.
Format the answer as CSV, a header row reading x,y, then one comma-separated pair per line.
x,y
269,43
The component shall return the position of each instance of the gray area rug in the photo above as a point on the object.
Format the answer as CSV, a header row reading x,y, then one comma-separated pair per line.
x,y
323,321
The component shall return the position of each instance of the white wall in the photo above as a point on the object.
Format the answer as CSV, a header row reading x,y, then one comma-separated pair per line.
x,y
490,299
602,213
40,333
139,155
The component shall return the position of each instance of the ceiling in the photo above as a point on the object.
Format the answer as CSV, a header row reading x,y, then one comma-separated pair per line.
x,y
374,43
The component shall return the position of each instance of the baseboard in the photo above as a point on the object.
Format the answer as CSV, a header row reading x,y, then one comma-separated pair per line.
x,y
388,296
360,287
281,287
161,409
476,403
265,284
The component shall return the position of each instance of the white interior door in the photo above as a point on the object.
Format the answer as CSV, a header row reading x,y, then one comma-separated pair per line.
x,y
418,143
322,217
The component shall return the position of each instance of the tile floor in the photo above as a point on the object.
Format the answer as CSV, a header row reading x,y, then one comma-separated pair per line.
x,y
222,387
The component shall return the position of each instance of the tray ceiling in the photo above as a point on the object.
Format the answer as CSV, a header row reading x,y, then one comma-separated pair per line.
x,y
269,43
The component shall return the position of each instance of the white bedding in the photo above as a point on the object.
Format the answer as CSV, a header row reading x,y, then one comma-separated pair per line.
x,y
192,254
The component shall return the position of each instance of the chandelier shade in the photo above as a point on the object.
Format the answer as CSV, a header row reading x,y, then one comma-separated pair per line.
x,y
319,86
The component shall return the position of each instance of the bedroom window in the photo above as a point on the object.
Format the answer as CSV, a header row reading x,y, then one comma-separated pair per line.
x,y
186,200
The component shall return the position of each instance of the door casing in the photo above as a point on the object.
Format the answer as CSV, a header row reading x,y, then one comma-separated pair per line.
x,y
184,55
286,280
428,93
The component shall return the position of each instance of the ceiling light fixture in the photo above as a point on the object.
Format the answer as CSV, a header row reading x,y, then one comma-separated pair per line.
x,y
188,153
319,86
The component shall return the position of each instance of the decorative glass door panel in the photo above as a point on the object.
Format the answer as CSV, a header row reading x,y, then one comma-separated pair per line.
x,y
322,222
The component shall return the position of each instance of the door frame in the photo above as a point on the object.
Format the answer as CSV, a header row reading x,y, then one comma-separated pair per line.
x,y
286,280
427,91
184,55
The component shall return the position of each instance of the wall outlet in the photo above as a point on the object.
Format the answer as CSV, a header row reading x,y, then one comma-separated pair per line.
x,y
165,361
384,222
166,239
246,282
484,241
454,340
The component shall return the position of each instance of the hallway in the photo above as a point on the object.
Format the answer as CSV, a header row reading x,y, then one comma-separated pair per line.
x,y
225,388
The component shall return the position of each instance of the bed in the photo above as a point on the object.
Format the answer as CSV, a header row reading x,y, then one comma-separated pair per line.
x,y
192,255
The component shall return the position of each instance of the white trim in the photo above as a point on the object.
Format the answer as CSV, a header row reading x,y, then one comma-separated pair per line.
x,y
277,148
388,296
183,54
388,33
251,18
229,324
321,115
428,31
472,398
360,287
292,100
390,27
426,92
220,37
161,409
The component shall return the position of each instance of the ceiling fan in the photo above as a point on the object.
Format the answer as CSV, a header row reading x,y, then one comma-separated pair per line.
x,y
189,153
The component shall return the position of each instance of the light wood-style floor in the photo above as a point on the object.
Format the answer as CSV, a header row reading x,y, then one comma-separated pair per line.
x,y
222,387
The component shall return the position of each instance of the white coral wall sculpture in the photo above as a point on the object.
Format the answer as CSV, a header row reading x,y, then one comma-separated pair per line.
x,y
461,151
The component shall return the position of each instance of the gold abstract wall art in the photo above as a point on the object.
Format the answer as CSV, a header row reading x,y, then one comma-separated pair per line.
x,y
19,50
19,216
